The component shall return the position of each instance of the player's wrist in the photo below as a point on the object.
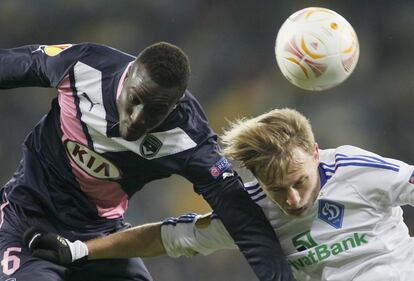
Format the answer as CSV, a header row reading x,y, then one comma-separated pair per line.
x,y
78,249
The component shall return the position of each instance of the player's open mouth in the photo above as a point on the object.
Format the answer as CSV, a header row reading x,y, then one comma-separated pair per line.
x,y
130,133
132,130
135,132
297,211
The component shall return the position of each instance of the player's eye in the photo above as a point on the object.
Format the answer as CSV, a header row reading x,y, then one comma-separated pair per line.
x,y
152,110
278,190
301,182
155,109
133,99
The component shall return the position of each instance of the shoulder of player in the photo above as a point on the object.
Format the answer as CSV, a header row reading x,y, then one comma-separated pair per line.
x,y
190,117
352,163
90,53
191,108
95,47
272,212
257,194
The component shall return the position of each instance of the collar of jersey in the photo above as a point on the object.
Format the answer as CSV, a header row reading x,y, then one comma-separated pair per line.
x,y
322,175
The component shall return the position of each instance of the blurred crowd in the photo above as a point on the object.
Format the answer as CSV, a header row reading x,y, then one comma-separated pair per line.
x,y
234,73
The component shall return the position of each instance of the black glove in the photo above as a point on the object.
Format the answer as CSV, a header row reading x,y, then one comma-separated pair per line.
x,y
53,247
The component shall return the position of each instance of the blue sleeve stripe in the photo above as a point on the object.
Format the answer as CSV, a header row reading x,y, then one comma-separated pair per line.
x,y
328,170
363,158
189,215
187,218
323,174
175,222
342,159
259,198
361,164
257,195
256,192
251,183
253,187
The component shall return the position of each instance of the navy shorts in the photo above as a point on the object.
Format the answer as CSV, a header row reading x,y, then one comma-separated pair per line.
x,y
17,264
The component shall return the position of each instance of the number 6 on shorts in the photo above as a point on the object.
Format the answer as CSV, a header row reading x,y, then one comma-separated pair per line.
x,y
10,262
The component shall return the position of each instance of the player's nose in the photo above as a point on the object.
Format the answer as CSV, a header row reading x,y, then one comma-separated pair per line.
x,y
293,197
136,116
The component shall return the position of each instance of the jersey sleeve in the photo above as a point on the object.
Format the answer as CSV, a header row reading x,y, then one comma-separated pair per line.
x,y
36,65
214,178
384,182
398,187
192,234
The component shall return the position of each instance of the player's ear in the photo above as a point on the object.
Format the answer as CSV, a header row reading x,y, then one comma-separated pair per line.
x,y
316,152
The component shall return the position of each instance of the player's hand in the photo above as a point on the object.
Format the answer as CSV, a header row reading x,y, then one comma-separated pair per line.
x,y
53,247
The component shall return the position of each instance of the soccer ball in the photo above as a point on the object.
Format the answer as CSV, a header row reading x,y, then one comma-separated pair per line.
x,y
316,49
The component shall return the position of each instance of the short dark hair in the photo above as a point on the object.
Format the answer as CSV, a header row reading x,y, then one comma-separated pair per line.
x,y
167,64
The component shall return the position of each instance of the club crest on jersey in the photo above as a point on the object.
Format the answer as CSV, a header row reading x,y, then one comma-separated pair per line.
x,y
91,162
150,146
331,212
219,167
52,50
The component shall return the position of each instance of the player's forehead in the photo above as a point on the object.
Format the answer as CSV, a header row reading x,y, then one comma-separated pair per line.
x,y
294,161
139,78
296,166
150,93
289,179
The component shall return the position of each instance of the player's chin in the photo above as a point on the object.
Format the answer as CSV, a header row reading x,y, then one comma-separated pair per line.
x,y
300,212
129,134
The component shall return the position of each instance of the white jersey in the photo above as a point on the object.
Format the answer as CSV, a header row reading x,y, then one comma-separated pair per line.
x,y
355,230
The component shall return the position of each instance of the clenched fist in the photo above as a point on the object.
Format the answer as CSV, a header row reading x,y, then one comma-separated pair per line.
x,y
53,247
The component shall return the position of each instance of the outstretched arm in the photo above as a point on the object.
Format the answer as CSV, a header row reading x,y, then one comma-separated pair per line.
x,y
35,65
186,235
183,236
141,241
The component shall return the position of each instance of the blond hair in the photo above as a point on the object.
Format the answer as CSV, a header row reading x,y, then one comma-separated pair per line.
x,y
264,144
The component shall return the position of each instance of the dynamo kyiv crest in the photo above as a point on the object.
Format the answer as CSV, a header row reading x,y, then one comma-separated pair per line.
x,y
331,212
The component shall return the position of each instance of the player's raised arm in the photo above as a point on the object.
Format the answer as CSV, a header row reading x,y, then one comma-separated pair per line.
x,y
222,188
35,65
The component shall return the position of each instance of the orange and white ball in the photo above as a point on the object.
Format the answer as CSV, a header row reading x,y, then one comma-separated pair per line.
x,y
316,49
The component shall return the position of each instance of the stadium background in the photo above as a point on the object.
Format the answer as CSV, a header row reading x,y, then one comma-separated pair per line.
x,y
230,44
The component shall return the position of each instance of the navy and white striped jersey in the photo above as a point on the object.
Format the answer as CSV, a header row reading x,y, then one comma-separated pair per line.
x,y
77,145
78,169
355,230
